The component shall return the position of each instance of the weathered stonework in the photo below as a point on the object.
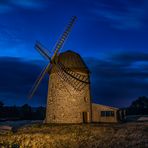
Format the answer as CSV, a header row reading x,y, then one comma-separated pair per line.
x,y
64,103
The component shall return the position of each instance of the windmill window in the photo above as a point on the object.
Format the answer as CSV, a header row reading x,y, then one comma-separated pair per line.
x,y
85,99
52,86
107,113
54,116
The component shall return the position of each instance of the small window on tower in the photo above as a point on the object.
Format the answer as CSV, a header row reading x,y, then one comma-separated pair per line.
x,y
85,99
54,117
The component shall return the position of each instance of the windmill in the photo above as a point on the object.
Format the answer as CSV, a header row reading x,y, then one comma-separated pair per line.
x,y
68,99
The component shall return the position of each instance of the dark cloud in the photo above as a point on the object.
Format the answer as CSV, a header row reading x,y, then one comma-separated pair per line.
x,y
113,80
119,14
118,79
130,57
9,34
8,5
16,79
122,14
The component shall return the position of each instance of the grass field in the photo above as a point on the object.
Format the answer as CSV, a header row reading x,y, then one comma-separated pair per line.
x,y
125,135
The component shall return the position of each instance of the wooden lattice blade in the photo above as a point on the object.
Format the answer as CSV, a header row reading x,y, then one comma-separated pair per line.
x,y
39,79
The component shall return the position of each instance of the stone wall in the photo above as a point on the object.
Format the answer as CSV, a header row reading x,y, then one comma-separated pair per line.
x,y
64,103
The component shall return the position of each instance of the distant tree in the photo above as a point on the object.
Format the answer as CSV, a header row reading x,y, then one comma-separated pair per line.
x,y
139,106
40,113
1,104
1,109
26,112
141,102
14,112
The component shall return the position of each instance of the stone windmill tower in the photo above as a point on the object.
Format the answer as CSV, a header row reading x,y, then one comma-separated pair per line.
x,y
68,98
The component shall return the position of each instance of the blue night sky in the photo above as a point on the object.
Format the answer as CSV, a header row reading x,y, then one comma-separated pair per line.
x,y
111,36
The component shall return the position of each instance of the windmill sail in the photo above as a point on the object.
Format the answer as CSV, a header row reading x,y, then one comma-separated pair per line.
x,y
64,36
34,88
58,46
76,80
42,50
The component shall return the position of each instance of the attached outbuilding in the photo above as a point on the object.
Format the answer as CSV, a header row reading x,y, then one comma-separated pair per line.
x,y
103,113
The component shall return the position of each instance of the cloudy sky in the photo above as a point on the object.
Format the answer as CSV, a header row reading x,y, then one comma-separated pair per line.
x,y
111,36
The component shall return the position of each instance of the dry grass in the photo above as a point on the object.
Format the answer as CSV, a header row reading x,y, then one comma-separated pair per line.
x,y
130,135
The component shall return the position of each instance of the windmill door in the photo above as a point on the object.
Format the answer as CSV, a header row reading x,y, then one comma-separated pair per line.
x,y
85,117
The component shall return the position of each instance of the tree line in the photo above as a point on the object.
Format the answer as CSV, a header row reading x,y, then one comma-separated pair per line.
x,y
138,107
24,112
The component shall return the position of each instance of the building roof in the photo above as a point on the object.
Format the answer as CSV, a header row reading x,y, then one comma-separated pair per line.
x,y
105,106
73,60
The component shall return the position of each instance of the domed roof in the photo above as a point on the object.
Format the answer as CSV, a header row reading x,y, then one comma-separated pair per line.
x,y
73,61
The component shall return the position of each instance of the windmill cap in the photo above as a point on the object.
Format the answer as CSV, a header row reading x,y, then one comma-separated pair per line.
x,y
73,60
